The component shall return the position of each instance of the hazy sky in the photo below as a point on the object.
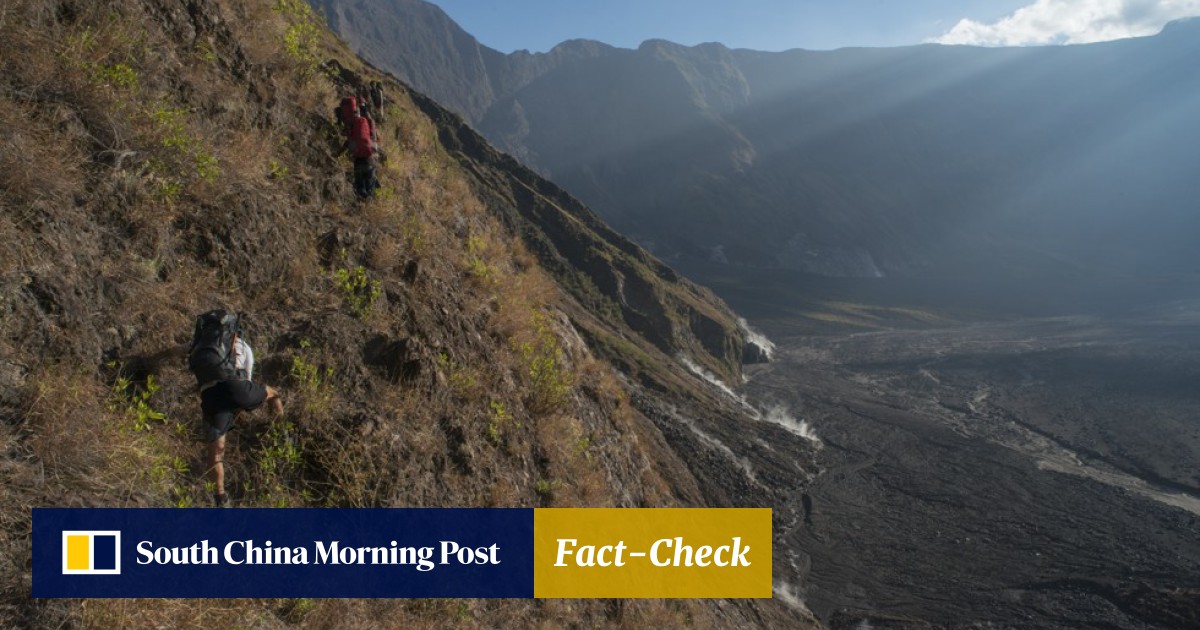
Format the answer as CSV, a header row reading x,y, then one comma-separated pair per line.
x,y
538,25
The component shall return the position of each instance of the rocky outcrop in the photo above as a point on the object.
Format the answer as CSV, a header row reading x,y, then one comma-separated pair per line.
x,y
753,353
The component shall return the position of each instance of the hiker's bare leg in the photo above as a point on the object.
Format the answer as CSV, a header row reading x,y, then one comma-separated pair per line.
x,y
274,401
216,455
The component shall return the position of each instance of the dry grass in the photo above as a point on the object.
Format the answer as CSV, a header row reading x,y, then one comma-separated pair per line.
x,y
177,613
35,165
18,254
117,233
261,41
68,426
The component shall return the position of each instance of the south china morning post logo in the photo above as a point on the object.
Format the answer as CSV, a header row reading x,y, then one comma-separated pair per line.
x,y
91,552
318,552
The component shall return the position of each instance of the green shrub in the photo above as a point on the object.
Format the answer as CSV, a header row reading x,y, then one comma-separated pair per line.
x,y
205,52
477,267
462,378
136,401
312,382
498,419
550,381
117,75
207,168
279,170
278,461
413,232
302,38
195,161
546,487
147,453
359,291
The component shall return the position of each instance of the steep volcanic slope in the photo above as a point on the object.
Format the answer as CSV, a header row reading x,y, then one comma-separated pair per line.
x,y
862,162
453,342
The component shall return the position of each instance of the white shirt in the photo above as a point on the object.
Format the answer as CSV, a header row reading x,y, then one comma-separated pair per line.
x,y
243,358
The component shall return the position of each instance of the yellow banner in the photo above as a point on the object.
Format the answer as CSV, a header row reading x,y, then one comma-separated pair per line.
x,y
669,552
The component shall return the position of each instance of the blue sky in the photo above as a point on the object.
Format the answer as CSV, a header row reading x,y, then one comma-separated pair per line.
x,y
538,25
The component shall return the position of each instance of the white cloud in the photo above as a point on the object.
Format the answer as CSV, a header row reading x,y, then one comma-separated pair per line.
x,y
1071,22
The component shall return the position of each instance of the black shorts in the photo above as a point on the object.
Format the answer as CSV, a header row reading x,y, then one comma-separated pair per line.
x,y
222,402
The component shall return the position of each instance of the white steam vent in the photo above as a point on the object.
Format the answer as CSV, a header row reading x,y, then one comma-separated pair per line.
x,y
790,595
718,383
778,414
783,417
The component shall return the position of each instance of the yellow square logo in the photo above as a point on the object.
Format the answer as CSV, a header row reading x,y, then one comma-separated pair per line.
x,y
91,553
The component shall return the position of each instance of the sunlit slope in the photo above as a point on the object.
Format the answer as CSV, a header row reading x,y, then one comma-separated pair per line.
x,y
439,345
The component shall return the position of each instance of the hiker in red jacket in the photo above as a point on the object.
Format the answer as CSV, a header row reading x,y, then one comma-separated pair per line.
x,y
362,147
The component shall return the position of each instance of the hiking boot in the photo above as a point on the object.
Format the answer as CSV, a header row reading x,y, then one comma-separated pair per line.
x,y
221,500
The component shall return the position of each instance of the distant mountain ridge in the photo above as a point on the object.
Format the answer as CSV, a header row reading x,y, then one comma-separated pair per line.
x,y
855,162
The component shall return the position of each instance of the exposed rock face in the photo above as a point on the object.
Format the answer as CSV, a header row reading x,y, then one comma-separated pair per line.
x,y
753,353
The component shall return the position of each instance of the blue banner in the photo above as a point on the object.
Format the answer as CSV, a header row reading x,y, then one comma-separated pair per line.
x,y
283,552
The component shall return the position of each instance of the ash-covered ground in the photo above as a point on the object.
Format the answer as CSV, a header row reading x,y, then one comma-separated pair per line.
x,y
1041,473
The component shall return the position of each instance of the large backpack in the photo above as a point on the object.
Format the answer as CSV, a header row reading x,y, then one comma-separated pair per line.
x,y
360,138
347,109
211,357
